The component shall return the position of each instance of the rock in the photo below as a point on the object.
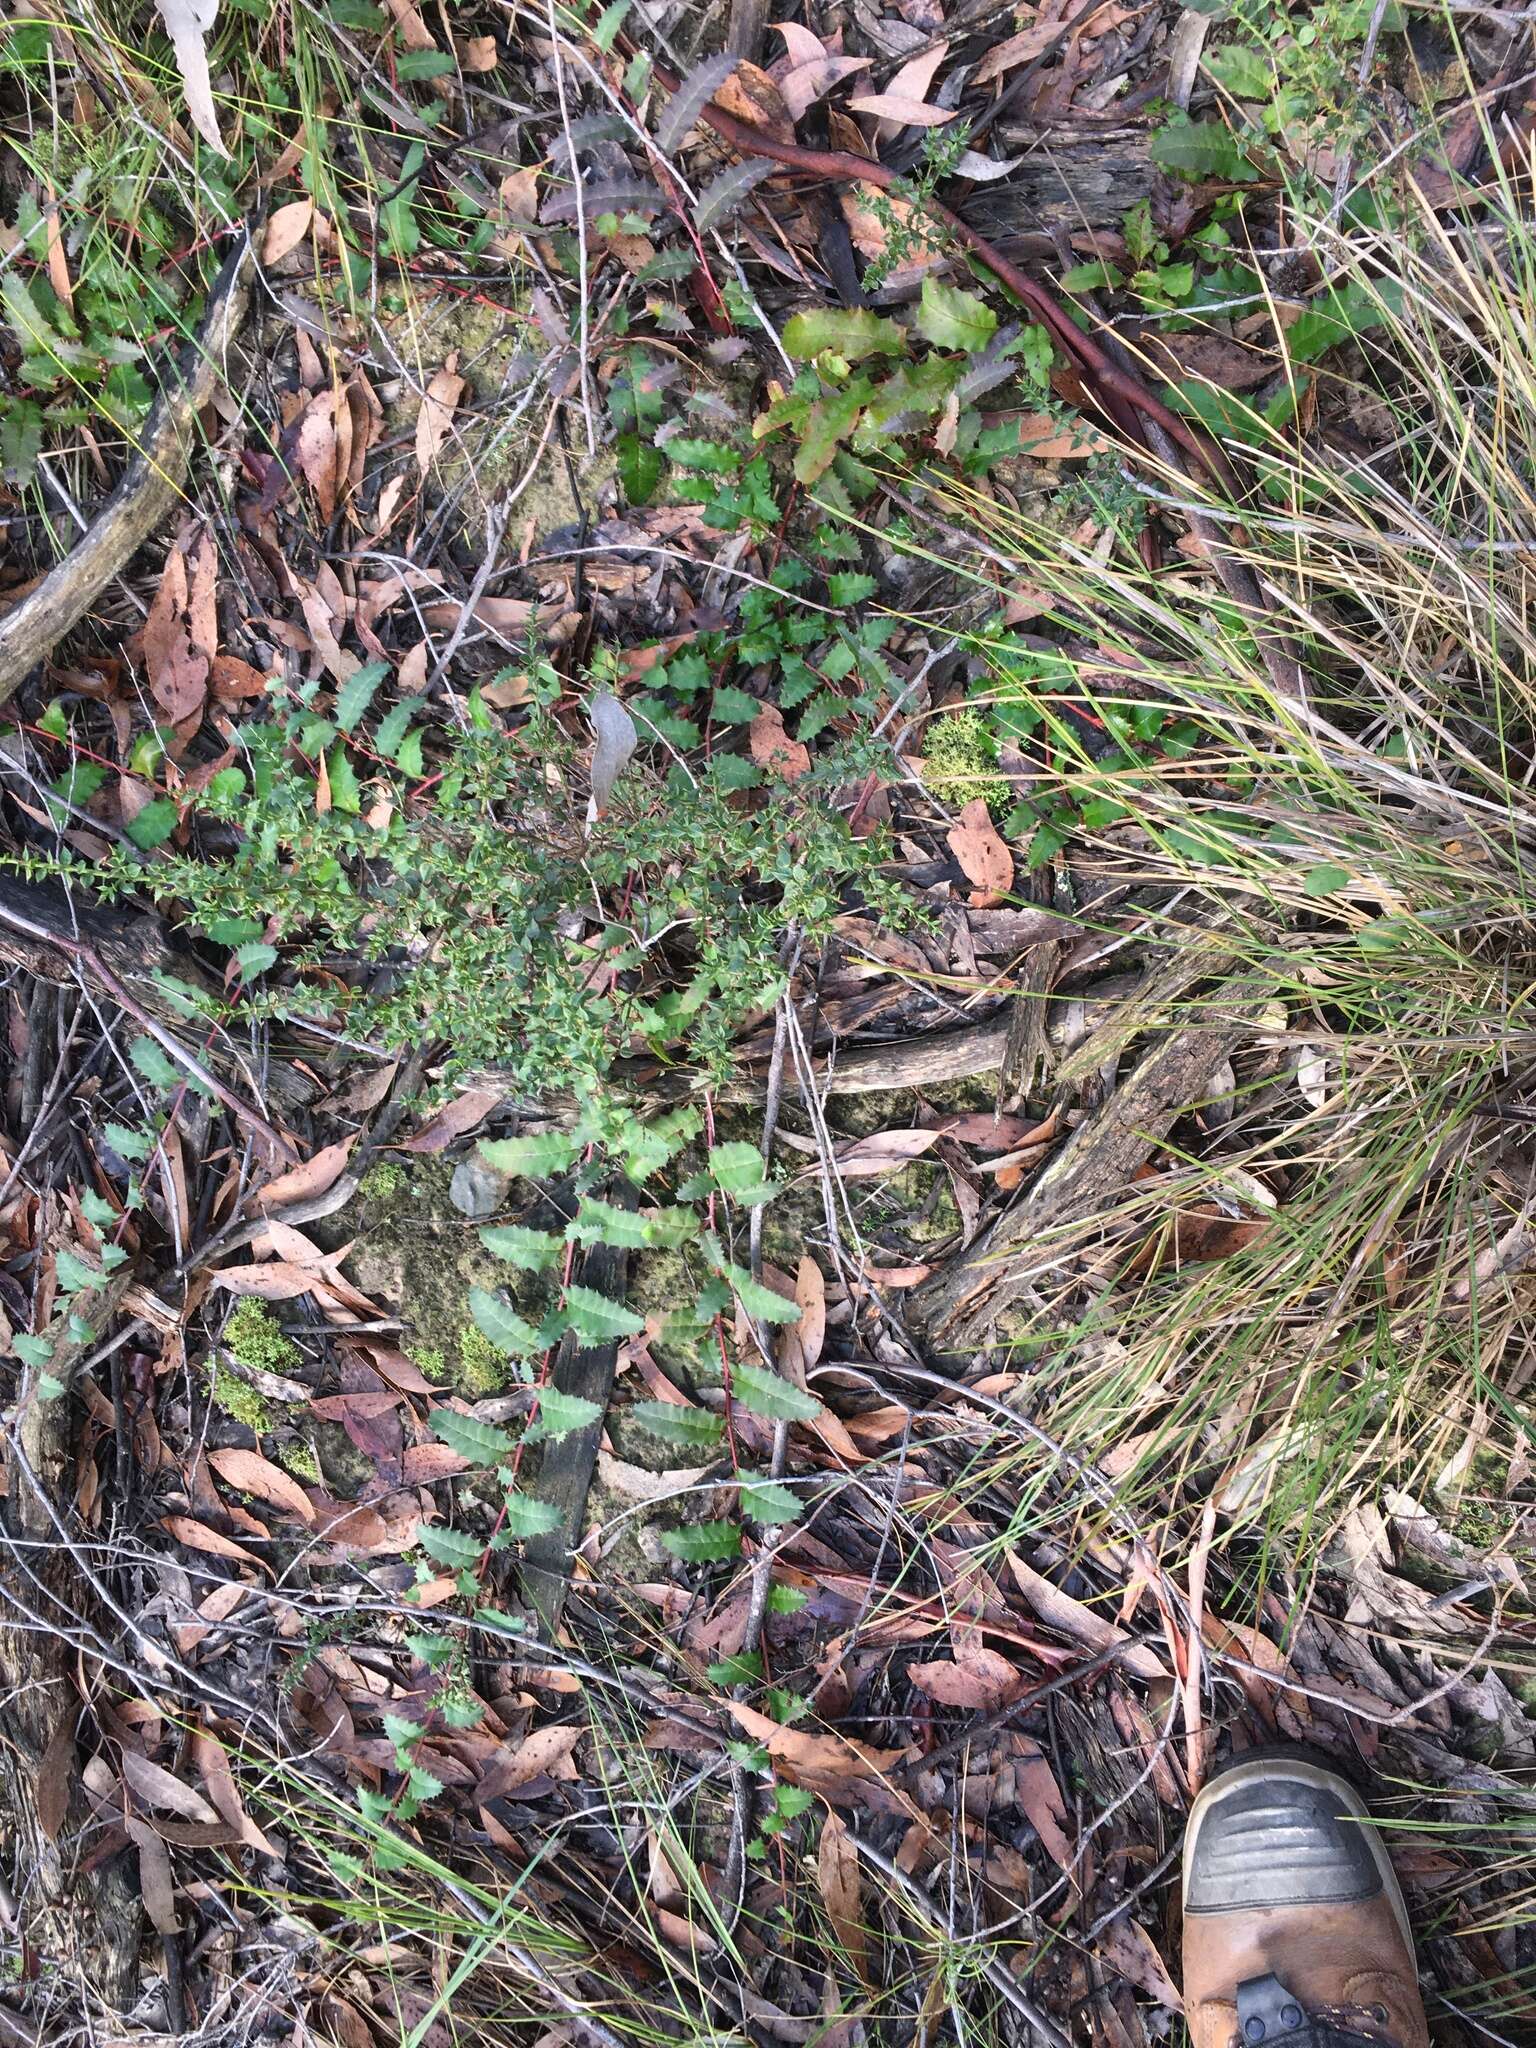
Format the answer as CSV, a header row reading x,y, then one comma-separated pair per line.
x,y
477,1190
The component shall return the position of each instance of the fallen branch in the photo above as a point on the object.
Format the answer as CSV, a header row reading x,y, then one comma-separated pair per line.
x,y
150,487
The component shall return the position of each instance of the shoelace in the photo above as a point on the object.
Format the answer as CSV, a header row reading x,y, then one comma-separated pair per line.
x,y
1270,2016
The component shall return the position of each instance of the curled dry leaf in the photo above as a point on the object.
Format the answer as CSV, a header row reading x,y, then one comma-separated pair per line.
x,y
774,750
983,1680
984,860
1040,1796
1128,1950
187,23
286,229
316,1174
883,1152
1081,1624
434,422
1023,48
197,1536
837,1874
157,1788
807,83
181,633
616,742
254,1474
453,1120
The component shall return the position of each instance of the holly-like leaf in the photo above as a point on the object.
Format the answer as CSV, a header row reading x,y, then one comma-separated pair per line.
x,y
769,1394
1201,149
73,1274
704,1542
597,1320
450,1547
755,1298
560,1414
768,1502
357,693
154,824
600,1222
694,1427
691,98
852,333
537,1154
507,1330
721,197
951,318
480,1442
525,1516
531,1251
394,726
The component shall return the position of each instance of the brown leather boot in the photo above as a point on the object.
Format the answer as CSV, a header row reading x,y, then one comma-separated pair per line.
x,y
1295,1934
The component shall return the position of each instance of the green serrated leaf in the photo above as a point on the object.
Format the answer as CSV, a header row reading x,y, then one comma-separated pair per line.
x,y
600,1222
254,958
730,706
346,790
525,1516
507,1330
480,1442
951,318
560,1414
755,1298
819,714
851,333
154,1063
736,1168
394,726
531,1251
704,1542
50,1389
74,1274
745,1668
451,1547
1201,149
596,1319
403,1733
127,1144
357,693
787,1599
34,1351
693,1427
537,1155
154,824
769,1394
1242,69
764,1500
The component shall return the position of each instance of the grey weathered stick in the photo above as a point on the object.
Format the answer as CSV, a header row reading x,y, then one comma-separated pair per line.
x,y
150,486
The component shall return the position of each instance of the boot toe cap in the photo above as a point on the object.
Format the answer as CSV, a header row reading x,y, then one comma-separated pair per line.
x,y
1278,1841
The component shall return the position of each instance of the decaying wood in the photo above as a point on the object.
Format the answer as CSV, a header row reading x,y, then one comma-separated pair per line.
x,y
73,1918
565,1473
1062,187
57,935
1099,1161
149,489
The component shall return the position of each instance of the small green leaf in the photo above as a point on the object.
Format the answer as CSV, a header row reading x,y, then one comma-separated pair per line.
x,y
694,1427
745,1668
755,1298
538,1154
640,466
704,1542
525,1516
560,1414
600,1222
154,824
730,706
852,334
850,587
506,1329
394,726
73,1274
127,1144
827,425
157,1067
736,1168
346,790
1385,934
1327,879
1201,149
531,1251
50,1389
596,1319
34,1351
764,1500
769,1394
787,1599
357,693
1242,69
233,931
1097,276
480,1442
951,318
254,958
606,29
451,1547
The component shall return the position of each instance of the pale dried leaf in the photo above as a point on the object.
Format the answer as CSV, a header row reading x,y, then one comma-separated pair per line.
x,y
773,749
984,859
252,1473
810,82
883,1152
312,1177
800,46
837,1874
157,1788
187,23
616,742
157,1887
1023,48
286,228
434,422
906,113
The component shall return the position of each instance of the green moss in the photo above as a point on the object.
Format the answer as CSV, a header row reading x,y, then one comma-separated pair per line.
x,y
238,1399
431,1360
382,1183
252,1338
960,761
301,1461
482,1368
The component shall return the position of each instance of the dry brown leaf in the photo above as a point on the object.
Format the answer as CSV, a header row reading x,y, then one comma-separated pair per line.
x,y
905,113
807,83
883,1152
751,96
187,23
157,1887
317,451
434,422
1046,440
774,750
157,1788
1020,49
317,1173
181,633
286,228
453,1120
831,1764
985,1679
811,1295
56,1777
414,32
1194,1237
1040,1796
984,859
1128,1951
478,53
546,1753
800,45
252,1473
213,1768
197,1536
1081,1624
837,1874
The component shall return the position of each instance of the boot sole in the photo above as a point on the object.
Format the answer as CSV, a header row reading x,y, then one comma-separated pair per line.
x,y
1298,1769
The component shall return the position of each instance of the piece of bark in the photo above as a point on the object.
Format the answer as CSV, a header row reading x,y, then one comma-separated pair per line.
x,y
1070,186
565,1472
74,1919
150,487
1097,1165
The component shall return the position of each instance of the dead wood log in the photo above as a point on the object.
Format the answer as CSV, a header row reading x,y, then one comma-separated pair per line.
x,y
84,1920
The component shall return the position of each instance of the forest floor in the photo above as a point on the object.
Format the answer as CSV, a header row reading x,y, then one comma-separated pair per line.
x,y
767,1062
